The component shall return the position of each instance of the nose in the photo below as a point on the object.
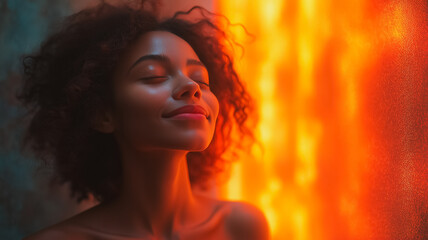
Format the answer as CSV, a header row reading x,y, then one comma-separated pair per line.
x,y
187,88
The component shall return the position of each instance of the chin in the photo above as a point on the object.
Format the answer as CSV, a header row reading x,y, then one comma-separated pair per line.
x,y
193,142
194,146
198,149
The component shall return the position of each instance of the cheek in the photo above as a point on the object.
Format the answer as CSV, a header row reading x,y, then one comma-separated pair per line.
x,y
139,110
213,103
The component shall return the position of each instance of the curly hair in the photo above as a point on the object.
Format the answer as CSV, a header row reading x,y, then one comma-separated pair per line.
x,y
69,78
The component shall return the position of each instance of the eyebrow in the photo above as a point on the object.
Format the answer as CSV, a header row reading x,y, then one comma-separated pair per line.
x,y
164,59
161,58
194,62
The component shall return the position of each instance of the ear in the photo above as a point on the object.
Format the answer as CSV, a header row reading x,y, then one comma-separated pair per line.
x,y
103,121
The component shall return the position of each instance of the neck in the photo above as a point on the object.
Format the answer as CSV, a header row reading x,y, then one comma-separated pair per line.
x,y
156,191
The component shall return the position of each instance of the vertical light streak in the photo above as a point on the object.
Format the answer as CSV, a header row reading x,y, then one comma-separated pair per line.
x,y
308,134
270,14
234,186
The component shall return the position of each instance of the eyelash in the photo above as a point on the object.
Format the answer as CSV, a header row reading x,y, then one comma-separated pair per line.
x,y
204,83
153,77
159,77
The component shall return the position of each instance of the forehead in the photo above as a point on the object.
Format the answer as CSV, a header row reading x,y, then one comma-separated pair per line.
x,y
159,43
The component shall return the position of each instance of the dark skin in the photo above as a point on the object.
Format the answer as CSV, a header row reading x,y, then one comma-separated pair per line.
x,y
159,73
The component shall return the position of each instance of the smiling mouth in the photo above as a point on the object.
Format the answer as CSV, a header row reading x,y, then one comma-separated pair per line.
x,y
189,116
188,112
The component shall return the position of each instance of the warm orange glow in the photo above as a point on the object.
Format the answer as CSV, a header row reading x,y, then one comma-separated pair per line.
x,y
334,81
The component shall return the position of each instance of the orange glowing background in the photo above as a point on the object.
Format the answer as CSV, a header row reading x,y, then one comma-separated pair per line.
x,y
341,87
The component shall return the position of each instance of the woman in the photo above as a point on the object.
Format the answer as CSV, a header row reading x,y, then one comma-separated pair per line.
x,y
134,111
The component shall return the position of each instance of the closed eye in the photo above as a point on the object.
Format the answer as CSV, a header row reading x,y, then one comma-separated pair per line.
x,y
153,77
204,83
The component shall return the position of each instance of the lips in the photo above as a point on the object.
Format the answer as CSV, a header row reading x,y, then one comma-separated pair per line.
x,y
187,109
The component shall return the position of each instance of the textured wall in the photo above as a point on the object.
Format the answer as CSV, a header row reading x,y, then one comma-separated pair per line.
x,y
342,88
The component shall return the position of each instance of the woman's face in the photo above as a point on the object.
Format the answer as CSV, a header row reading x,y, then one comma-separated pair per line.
x,y
157,75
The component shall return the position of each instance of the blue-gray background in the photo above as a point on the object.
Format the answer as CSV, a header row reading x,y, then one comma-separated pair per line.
x,y
26,202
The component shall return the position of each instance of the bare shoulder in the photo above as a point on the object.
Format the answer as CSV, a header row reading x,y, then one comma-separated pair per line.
x,y
246,221
71,228
63,230
239,220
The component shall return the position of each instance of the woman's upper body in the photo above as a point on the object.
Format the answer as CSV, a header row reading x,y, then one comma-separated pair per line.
x,y
135,111
217,220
